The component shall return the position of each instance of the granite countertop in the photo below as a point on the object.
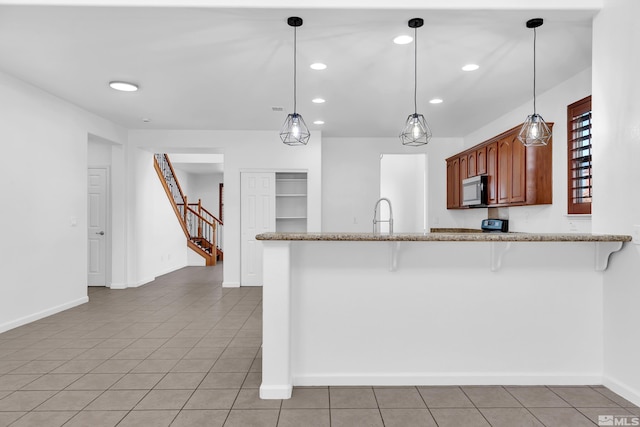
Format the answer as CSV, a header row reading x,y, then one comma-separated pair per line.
x,y
439,236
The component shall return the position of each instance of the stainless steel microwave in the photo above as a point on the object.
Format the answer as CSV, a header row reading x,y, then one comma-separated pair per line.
x,y
474,191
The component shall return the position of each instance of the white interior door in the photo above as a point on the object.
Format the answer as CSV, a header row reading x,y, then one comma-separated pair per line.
x,y
97,227
257,215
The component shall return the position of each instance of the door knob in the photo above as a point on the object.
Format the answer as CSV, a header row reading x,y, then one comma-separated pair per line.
x,y
101,233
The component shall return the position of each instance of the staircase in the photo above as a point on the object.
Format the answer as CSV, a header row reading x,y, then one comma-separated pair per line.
x,y
202,229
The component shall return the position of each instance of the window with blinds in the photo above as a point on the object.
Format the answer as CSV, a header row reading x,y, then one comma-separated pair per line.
x,y
579,156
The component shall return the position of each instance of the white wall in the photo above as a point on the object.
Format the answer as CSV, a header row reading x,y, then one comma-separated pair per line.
x,y
552,105
616,207
351,180
44,220
403,182
206,188
259,150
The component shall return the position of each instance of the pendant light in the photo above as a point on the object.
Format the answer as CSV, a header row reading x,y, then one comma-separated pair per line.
x,y
534,131
294,131
416,131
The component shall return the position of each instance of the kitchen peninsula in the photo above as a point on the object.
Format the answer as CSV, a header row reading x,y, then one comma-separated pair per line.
x,y
432,309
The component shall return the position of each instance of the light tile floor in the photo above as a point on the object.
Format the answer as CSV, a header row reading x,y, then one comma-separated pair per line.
x,y
183,351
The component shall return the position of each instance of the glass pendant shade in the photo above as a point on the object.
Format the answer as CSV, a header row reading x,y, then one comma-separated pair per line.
x,y
416,131
534,131
295,131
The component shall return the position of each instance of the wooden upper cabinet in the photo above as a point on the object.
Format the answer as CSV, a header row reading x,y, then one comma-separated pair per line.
x,y
464,168
472,164
453,183
504,170
517,175
492,172
481,161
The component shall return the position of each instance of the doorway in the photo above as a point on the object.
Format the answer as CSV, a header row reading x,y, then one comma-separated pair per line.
x,y
403,180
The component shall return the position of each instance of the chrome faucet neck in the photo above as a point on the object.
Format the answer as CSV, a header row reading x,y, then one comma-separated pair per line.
x,y
375,215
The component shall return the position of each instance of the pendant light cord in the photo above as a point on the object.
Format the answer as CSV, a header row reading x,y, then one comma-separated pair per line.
x,y
534,71
415,70
295,30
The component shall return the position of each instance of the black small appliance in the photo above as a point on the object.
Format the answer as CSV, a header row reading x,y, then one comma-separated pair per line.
x,y
495,225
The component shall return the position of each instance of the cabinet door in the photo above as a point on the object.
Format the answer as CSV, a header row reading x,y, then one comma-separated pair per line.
x,y
504,170
453,184
464,169
472,164
481,161
492,172
518,169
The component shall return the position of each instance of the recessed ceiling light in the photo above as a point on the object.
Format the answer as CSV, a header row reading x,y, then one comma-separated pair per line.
x,y
436,101
123,86
470,67
404,39
146,120
318,122
318,101
318,66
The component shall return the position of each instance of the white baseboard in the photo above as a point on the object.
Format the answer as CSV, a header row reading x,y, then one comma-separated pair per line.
x,y
624,390
42,314
118,286
142,282
442,379
275,392
230,284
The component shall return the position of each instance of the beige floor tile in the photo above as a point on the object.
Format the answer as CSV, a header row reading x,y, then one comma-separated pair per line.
x,y
69,400
304,417
594,413
352,398
158,418
444,397
458,417
52,382
77,366
96,419
38,367
24,400
63,354
307,398
491,397
194,418
408,417
253,380
6,418
252,417
223,380
584,397
117,400
561,417
12,382
537,397
614,397
232,365
98,353
399,398
212,399
116,366
137,382
164,399
95,382
181,380
240,352
155,366
510,417
6,366
134,353
193,365
356,418
249,398
40,419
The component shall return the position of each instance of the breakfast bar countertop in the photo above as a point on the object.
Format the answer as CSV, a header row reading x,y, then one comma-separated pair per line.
x,y
448,235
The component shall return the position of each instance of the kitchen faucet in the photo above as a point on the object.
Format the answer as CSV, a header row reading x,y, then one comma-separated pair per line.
x,y
375,215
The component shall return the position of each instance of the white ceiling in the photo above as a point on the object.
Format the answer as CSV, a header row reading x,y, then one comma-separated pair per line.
x,y
224,69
